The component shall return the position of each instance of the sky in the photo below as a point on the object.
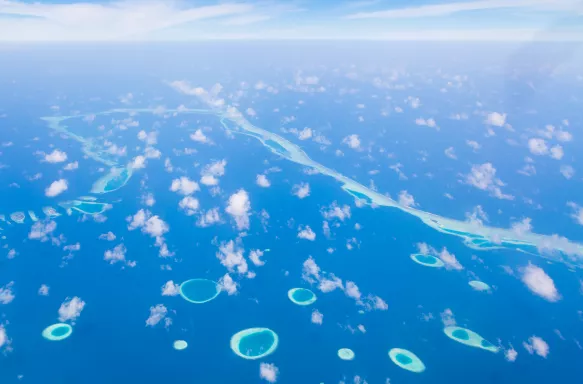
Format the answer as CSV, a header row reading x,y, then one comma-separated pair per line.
x,y
164,20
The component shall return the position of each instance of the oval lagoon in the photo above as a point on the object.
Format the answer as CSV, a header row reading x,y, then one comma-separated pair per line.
x,y
346,354
57,332
301,296
469,338
179,345
199,291
427,260
406,360
254,343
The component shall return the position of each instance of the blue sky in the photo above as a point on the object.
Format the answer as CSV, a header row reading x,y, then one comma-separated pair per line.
x,y
155,20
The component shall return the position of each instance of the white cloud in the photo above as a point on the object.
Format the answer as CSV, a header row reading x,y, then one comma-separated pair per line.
x,y
447,318
495,118
189,205
255,257
450,260
184,186
329,284
209,218
43,290
352,141
117,254
231,256
71,166
537,345
148,199
427,123
238,208
268,372
538,146
56,156
510,354
305,133
6,295
199,137
540,283
557,152
473,144
138,162
477,216
157,314
310,270
215,169
150,138
306,233
317,317
109,236
567,171
406,199
450,152
3,336
578,212
41,229
170,289
56,188
522,226
484,177
228,285
334,211
262,181
351,290
71,309
301,190
209,180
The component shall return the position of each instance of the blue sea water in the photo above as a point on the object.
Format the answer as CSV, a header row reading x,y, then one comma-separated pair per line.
x,y
111,342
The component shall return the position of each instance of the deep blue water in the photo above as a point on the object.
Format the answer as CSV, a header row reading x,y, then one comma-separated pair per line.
x,y
111,342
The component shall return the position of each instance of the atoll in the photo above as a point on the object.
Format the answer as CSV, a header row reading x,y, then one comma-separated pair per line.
x,y
199,291
254,343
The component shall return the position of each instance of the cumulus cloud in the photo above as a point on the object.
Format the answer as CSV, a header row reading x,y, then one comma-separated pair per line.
x,y
42,229
228,285
255,257
56,156
522,226
484,177
406,199
301,190
231,256
118,254
151,225
262,181
496,119
3,336
6,295
157,314
317,317
306,233
138,162
510,354
268,372
450,152
199,137
71,166
557,152
212,171
189,205
473,144
567,171
536,345
238,207
335,211
540,283
184,186
477,216
170,289
109,236
538,146
71,309
43,290
208,218
353,141
427,123
450,260
56,188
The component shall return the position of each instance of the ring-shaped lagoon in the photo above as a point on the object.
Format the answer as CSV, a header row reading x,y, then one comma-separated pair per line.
x,y
406,360
346,354
469,338
57,332
199,291
427,260
301,296
254,343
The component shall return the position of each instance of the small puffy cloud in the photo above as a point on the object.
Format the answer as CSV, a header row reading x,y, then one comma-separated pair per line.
x,y
255,257
117,254
567,171
557,152
406,199
426,123
450,152
447,318
71,166
43,290
41,230
231,256
184,186
306,233
335,211
450,260
317,317
496,119
228,285
262,181
157,314
522,226
208,218
199,137
310,270
71,309
189,205
238,207
305,133
301,190
484,177
251,112
138,162
536,279
170,289
577,212
56,156
109,236
510,354
538,146
537,345
3,336
473,144
150,138
351,290
209,180
330,283
215,169
268,372
56,188
6,295
477,216
352,141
